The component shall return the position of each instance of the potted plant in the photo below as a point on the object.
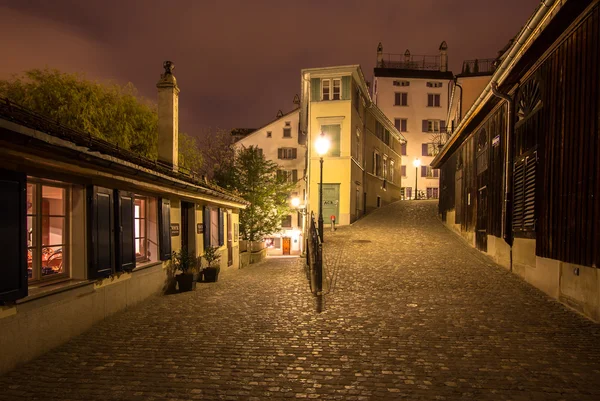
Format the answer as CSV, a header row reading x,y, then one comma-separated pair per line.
x,y
185,262
211,272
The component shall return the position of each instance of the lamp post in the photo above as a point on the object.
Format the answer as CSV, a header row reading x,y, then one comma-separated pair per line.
x,y
302,210
322,146
417,164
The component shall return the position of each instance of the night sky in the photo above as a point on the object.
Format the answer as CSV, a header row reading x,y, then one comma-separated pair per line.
x,y
238,62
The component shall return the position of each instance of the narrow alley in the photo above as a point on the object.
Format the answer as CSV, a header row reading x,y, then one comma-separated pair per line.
x,y
411,312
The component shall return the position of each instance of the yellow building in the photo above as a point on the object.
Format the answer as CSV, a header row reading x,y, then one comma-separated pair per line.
x,y
361,170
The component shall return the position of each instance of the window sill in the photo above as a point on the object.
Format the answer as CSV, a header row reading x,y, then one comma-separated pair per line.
x,y
40,291
146,265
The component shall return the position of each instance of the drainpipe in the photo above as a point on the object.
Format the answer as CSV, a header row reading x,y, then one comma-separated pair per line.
x,y
508,161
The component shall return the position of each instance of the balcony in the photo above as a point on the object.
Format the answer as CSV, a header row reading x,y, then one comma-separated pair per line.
x,y
485,66
409,62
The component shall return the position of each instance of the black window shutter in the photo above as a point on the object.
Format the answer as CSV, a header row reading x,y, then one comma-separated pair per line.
x,y
101,233
397,99
436,100
294,153
13,235
423,171
221,228
404,99
423,149
315,89
425,125
124,230
436,173
442,126
206,222
164,226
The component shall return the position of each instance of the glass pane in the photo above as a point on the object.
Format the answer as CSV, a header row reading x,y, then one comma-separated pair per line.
x,y
140,207
53,200
31,198
140,228
52,261
53,230
31,231
31,256
140,248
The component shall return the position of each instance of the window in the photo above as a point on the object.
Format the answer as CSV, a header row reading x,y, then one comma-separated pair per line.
x,y
337,89
379,201
140,229
386,137
269,134
333,132
428,172
376,163
429,149
287,153
400,124
392,170
431,125
385,166
433,100
434,84
47,224
325,89
356,99
287,130
401,83
403,149
214,227
273,243
403,171
259,151
287,221
432,193
400,99
357,149
288,175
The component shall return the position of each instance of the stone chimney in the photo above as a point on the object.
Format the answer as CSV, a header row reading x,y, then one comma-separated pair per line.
x,y
443,57
168,117
407,57
379,55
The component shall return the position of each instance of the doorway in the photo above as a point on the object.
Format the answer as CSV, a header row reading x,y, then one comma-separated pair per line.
x,y
331,201
187,227
229,240
287,244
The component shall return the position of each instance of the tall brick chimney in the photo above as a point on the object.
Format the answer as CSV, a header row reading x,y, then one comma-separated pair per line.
x,y
168,117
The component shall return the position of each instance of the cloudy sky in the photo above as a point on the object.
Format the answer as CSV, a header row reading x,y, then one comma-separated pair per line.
x,y
238,61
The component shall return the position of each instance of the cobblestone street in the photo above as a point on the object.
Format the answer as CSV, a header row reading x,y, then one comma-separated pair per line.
x,y
412,312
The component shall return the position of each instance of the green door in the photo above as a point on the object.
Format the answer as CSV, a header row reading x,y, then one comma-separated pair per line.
x,y
331,202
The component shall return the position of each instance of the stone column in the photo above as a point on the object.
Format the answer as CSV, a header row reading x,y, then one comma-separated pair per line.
x,y
168,117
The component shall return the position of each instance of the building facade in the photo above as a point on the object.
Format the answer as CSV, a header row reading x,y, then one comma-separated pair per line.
x,y
413,93
87,229
361,170
520,175
281,143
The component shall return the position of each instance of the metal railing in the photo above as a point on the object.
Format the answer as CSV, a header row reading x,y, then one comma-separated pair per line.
x,y
314,257
410,62
478,66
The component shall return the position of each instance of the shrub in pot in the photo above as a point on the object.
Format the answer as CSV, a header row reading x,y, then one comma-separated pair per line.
x,y
211,272
185,262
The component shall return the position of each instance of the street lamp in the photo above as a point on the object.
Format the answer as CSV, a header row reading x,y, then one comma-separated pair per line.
x,y
295,202
417,164
322,146
301,209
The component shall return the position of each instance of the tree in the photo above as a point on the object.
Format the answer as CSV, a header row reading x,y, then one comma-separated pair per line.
x,y
217,149
108,111
256,180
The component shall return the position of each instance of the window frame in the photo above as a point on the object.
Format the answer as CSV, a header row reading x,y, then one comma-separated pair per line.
x,y
403,99
37,247
431,126
323,94
333,89
144,199
433,97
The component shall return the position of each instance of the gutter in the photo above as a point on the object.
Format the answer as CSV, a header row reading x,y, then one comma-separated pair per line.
x,y
542,16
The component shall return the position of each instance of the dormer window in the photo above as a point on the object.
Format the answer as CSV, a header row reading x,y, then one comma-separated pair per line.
x,y
401,83
269,134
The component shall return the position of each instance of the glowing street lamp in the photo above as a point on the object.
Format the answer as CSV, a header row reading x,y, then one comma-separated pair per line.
x,y
417,164
295,202
322,147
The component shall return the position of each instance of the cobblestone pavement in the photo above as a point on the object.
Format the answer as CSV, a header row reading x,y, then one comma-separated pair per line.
x,y
412,312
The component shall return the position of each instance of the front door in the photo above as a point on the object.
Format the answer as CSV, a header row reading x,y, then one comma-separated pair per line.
x,y
331,202
287,243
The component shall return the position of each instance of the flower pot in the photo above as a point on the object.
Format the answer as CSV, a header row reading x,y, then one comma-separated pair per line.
x,y
211,274
185,282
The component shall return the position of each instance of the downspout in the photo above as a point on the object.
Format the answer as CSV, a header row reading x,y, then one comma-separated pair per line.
x,y
459,99
508,162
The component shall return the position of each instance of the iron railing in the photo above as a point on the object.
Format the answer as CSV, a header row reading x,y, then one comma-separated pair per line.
x,y
314,257
478,66
410,62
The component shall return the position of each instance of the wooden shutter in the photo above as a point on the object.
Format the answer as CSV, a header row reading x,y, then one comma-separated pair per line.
x,y
279,153
524,175
294,153
423,149
396,99
13,235
403,149
346,84
164,227
315,89
423,171
404,99
403,171
436,99
101,233
425,126
442,126
221,228
124,230
206,222
294,176
436,173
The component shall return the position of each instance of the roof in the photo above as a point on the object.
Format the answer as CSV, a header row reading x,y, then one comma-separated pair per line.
x,y
19,115
404,73
297,109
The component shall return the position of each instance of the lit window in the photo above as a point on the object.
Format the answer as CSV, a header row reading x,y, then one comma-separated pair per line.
x,y
140,229
47,223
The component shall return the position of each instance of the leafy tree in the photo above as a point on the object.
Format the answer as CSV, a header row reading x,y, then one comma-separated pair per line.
x,y
109,111
256,180
218,151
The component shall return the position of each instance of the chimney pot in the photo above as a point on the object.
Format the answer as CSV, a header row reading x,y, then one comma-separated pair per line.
x,y
168,117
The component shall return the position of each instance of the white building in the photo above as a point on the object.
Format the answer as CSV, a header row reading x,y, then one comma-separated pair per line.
x,y
412,91
280,142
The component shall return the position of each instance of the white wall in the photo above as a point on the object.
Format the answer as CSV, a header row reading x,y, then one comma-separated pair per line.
x,y
416,111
